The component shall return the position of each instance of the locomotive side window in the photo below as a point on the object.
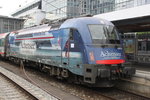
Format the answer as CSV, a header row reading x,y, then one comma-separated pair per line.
x,y
112,33
71,34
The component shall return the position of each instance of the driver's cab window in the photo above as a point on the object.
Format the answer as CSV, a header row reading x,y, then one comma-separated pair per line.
x,y
71,35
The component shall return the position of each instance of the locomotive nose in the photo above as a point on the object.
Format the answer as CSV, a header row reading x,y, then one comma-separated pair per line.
x,y
106,56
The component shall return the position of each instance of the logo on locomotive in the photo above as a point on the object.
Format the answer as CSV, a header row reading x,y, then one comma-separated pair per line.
x,y
111,54
28,48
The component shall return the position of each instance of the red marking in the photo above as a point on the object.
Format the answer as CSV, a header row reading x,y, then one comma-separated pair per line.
x,y
117,61
35,38
1,52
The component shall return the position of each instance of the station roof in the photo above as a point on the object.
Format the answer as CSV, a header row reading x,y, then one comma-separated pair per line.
x,y
136,19
139,24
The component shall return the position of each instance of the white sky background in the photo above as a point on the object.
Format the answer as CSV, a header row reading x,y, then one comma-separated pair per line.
x,y
9,6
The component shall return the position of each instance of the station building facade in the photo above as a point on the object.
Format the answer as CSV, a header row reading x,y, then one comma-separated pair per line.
x,y
38,10
8,24
103,6
31,12
61,8
73,8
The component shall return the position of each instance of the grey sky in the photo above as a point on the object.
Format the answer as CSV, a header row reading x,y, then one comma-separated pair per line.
x,y
9,6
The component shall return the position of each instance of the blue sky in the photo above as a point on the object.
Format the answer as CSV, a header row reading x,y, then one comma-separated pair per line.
x,y
9,6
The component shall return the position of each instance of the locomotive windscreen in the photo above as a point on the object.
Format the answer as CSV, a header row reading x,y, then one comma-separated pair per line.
x,y
102,32
97,31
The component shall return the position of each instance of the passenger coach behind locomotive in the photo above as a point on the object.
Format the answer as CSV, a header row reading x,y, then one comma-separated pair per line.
x,y
86,50
3,44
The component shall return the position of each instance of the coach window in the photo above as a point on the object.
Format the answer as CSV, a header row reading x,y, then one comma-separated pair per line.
x,y
143,46
139,45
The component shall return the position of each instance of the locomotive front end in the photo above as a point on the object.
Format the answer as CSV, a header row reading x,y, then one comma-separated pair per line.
x,y
105,57
101,52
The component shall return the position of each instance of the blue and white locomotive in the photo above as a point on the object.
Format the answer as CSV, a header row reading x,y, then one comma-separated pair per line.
x,y
84,50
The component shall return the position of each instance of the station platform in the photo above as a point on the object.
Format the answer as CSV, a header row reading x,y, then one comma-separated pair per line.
x,y
42,84
9,91
142,67
139,66
138,84
14,87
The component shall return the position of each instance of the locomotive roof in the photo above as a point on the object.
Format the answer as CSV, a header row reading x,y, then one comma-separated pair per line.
x,y
86,20
36,29
81,24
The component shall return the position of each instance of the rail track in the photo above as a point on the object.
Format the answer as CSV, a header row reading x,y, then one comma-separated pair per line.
x,y
84,93
14,87
111,93
10,90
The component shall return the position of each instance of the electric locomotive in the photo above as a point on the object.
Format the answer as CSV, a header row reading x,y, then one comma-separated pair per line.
x,y
84,50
